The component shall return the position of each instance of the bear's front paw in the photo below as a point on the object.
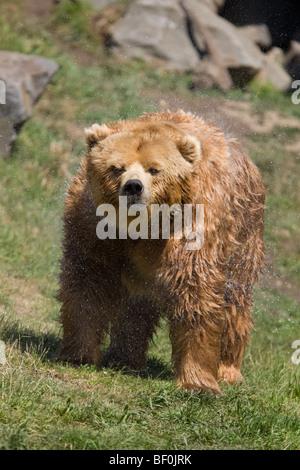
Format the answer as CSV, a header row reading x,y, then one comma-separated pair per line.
x,y
208,384
79,355
230,375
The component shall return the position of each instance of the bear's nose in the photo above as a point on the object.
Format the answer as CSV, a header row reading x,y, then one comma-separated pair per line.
x,y
133,188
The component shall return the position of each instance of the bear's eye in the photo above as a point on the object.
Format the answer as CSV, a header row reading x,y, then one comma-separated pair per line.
x,y
117,171
153,171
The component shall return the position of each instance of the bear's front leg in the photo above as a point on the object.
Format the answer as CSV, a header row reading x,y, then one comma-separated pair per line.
x,y
196,353
88,301
83,333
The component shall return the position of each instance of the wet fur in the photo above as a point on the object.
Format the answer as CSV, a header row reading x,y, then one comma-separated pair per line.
x,y
122,286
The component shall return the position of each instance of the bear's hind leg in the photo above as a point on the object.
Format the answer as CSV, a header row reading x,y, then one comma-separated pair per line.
x,y
245,266
236,335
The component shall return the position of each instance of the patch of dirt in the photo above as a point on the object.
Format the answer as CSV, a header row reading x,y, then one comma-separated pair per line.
x,y
211,109
237,118
283,286
259,123
39,8
81,384
293,146
78,54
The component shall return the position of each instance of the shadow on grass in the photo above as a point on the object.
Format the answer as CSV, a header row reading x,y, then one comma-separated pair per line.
x,y
47,347
156,369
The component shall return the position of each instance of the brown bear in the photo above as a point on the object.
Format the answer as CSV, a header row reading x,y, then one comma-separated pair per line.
x,y
122,286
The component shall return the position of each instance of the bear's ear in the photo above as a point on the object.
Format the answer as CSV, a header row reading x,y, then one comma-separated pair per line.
x,y
190,148
95,134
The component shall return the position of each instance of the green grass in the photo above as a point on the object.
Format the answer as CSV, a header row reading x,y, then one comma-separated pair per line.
x,y
280,170
49,405
45,404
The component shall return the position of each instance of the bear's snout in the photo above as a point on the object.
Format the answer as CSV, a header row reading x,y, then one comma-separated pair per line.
x,y
133,187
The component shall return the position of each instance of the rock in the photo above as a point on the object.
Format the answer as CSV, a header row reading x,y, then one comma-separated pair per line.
x,y
214,5
277,55
104,20
2,353
209,75
210,71
236,53
25,77
292,60
281,16
155,30
273,72
259,34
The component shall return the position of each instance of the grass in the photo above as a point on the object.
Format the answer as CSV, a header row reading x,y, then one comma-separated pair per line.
x,y
45,404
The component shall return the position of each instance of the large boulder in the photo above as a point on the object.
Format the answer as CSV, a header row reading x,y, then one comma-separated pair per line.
x,y
155,30
235,51
281,16
214,5
209,74
25,77
2,353
273,71
259,34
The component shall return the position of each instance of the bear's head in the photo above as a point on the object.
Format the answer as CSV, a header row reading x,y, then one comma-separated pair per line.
x,y
150,163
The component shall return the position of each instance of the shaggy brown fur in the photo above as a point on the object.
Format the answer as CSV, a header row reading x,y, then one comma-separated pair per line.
x,y
122,286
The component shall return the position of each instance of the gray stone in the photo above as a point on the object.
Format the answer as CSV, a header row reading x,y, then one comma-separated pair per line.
x,y
155,30
209,74
2,353
281,16
214,5
210,71
236,52
257,33
273,72
25,78
277,55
